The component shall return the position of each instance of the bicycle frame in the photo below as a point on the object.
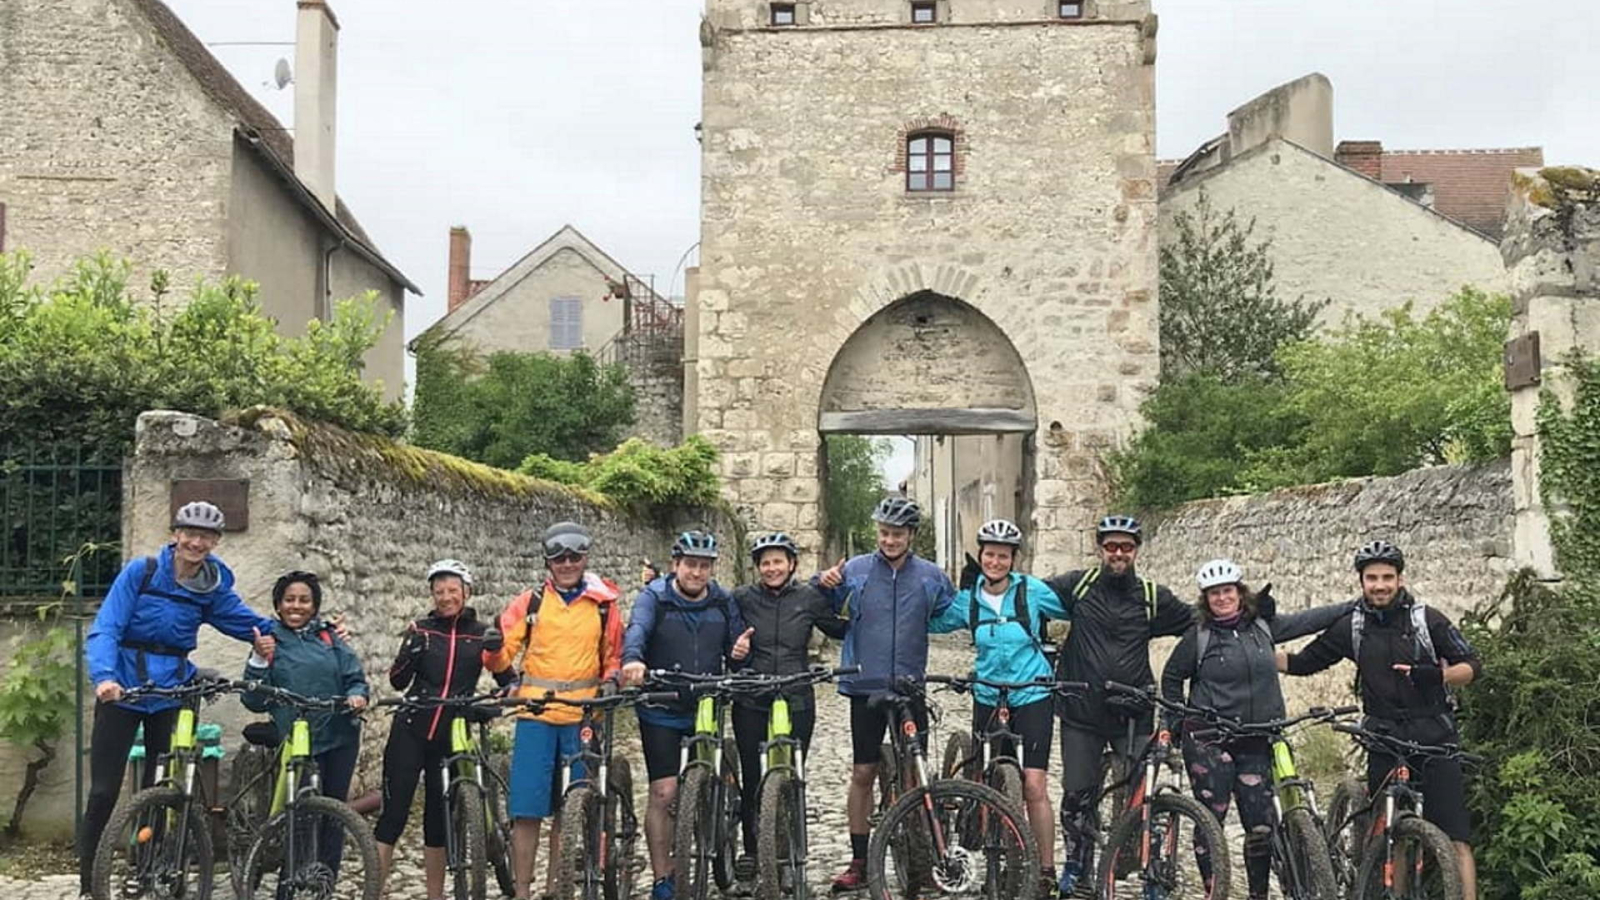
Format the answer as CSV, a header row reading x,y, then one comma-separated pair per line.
x,y
781,750
291,762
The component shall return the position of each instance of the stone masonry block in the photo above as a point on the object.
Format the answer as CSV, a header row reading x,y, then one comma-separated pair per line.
x,y
742,465
780,516
777,464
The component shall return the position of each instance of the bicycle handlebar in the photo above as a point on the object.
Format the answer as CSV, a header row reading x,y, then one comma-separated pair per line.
x,y
286,696
749,683
492,698
199,687
965,682
1370,739
624,697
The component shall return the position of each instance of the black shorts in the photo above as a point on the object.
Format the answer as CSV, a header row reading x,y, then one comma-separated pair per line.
x,y
868,724
1444,785
662,749
1034,723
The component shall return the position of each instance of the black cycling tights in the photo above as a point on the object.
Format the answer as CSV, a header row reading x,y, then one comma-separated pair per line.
x,y
109,744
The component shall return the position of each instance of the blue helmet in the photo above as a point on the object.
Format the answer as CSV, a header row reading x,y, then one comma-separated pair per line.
x,y
702,544
1127,525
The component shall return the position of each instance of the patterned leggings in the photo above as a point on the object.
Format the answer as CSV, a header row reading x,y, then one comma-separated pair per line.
x,y
1242,769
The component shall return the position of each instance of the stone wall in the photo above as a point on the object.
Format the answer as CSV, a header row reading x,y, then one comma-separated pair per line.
x,y
657,400
808,229
1339,236
1453,522
369,516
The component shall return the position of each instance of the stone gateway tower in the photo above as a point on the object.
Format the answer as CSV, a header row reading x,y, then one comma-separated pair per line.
x,y
924,218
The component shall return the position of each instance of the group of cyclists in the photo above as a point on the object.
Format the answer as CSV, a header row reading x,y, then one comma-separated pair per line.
x,y
567,638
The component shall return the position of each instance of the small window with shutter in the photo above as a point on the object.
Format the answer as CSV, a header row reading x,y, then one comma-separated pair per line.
x,y
566,323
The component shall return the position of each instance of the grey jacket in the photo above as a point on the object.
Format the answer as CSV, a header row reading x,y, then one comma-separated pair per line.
x,y
783,621
1239,675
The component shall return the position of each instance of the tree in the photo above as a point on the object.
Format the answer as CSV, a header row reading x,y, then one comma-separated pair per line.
x,y
854,486
1220,312
502,409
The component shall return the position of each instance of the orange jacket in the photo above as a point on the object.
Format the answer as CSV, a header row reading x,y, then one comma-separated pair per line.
x,y
563,647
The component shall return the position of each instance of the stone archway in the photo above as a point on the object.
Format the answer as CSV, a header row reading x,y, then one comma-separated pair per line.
x,y
934,368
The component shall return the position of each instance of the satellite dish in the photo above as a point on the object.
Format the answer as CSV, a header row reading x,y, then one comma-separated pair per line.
x,y
281,74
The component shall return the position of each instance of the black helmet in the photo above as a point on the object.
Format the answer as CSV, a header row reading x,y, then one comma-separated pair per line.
x,y
566,537
702,544
902,512
1120,525
1000,531
1380,551
776,540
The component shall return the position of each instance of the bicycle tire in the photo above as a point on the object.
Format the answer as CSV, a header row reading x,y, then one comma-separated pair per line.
x,y
780,854
260,856
1127,833
958,753
907,853
622,833
1442,879
251,782
1114,768
1007,779
732,824
499,839
139,808
464,815
578,853
1346,831
1313,866
956,804
691,839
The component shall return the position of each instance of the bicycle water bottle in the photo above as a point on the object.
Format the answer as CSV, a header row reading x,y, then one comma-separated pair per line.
x,y
209,736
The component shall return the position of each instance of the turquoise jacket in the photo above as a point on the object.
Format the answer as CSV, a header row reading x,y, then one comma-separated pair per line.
x,y
1007,651
313,662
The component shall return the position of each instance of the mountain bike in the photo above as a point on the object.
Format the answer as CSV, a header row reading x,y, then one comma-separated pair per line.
x,y
308,842
1162,827
1405,856
707,822
158,843
1300,855
599,828
959,837
477,835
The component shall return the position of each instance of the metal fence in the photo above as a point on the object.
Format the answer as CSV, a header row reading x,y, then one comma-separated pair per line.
x,y
54,501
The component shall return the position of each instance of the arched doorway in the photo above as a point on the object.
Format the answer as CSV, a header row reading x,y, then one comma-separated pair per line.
x,y
935,370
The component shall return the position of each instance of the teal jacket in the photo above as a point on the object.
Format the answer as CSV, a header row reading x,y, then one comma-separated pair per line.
x,y
311,661
1007,651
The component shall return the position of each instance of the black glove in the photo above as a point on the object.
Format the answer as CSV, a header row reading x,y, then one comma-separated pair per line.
x,y
1266,604
493,640
413,643
1425,676
970,573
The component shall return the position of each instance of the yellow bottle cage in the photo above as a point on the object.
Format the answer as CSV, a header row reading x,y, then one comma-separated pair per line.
x,y
460,737
300,739
183,734
1282,761
778,724
705,716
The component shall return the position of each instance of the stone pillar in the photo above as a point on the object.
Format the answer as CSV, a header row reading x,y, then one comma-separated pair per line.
x,y
1552,255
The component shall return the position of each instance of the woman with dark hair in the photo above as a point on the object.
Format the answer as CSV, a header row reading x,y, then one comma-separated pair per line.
x,y
311,659
1228,659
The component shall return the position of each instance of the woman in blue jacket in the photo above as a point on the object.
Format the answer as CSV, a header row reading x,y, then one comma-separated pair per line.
x,y
143,635
684,621
1005,611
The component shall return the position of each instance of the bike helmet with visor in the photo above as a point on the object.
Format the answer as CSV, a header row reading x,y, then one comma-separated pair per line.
x,y
565,538
1000,531
1127,525
900,512
1380,551
774,541
702,544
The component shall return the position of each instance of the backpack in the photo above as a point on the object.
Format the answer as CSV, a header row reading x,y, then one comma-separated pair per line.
x,y
1088,580
1203,640
1035,630
1419,632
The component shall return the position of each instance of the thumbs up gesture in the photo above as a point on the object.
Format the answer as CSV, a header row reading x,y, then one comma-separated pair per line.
x,y
264,644
833,577
741,647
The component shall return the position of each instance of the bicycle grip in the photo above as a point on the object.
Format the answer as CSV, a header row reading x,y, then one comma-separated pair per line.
x,y
846,670
660,697
1346,710
1346,728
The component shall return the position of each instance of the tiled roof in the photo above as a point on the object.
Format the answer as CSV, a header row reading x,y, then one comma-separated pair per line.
x,y
259,127
1470,186
1164,170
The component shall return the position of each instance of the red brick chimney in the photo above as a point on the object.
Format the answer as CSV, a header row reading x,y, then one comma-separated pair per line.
x,y
1365,157
460,266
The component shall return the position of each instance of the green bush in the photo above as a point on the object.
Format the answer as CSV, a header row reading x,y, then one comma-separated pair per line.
x,y
853,486
639,474
501,409
81,359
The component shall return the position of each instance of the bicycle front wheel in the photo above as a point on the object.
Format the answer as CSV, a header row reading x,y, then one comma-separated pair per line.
x,y
621,833
469,863
780,842
692,840
579,866
1346,831
976,844
498,840
1308,873
1424,863
1165,862
319,849
156,846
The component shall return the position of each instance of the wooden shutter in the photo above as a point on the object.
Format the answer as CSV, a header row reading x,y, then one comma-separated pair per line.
x,y
566,323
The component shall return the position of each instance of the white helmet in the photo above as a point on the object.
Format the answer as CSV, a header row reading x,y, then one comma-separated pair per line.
x,y
199,514
1000,531
1218,571
451,567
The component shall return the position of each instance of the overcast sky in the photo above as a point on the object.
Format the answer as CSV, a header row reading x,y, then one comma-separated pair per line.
x,y
515,117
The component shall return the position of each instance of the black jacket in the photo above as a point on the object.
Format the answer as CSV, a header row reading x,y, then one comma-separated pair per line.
x,y
1239,675
783,621
1110,641
439,657
1386,640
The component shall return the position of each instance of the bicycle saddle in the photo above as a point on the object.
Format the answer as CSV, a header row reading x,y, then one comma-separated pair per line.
x,y
263,734
207,675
